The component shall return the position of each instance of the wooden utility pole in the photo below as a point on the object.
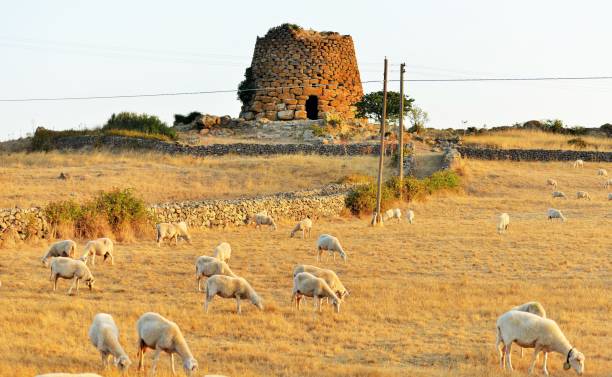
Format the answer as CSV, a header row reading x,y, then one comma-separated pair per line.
x,y
401,126
377,218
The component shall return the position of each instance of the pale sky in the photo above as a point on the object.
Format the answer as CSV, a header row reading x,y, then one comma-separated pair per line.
x,y
76,48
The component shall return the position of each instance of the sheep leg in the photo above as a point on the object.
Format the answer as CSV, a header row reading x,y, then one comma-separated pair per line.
x,y
74,281
534,359
172,364
238,310
55,278
320,304
93,259
141,352
104,357
508,349
155,360
544,364
206,302
198,283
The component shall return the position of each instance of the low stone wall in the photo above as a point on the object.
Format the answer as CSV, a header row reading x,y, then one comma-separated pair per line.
x,y
532,154
17,223
122,143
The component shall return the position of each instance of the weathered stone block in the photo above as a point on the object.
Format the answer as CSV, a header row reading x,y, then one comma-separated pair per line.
x,y
285,115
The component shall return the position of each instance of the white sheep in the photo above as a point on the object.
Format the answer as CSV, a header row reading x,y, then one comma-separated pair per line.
x,y
222,252
533,307
602,172
410,216
68,268
331,244
159,334
209,266
503,222
262,219
394,213
172,231
102,247
68,375
552,182
583,195
578,164
608,183
305,226
104,335
559,194
330,277
555,214
306,284
231,287
532,331
65,248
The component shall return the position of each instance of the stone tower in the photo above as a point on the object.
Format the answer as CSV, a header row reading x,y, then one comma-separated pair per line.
x,y
310,74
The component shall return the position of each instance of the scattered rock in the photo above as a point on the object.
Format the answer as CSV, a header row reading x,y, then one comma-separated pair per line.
x,y
63,176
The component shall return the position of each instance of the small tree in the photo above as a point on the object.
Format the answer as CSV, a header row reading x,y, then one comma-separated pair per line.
x,y
555,126
139,122
418,118
371,106
246,87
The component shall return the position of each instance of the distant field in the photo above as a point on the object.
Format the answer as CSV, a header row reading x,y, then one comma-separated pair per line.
x,y
533,139
32,179
424,297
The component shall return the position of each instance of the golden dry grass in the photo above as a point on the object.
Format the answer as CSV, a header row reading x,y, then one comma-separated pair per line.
x,y
32,179
424,297
535,139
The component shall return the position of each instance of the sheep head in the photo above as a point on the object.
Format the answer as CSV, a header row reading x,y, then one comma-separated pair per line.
x,y
90,282
575,359
336,303
123,363
190,365
256,300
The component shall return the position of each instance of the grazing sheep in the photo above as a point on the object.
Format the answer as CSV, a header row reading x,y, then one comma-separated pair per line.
x,y
305,226
529,330
410,216
559,194
222,252
68,268
209,266
503,222
104,335
65,248
551,182
231,287
583,195
602,172
306,284
159,334
394,213
578,164
329,276
608,183
262,219
555,214
331,244
533,307
171,231
102,247
68,375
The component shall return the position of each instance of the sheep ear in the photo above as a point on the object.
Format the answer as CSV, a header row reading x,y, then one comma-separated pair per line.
x,y
566,365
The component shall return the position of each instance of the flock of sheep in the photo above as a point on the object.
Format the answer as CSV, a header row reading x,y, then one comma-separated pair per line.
x,y
526,325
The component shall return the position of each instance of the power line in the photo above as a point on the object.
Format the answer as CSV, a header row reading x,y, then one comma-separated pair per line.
x,y
144,95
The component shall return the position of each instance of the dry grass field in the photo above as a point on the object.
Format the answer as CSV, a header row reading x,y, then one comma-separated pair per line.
x,y
424,297
32,179
535,139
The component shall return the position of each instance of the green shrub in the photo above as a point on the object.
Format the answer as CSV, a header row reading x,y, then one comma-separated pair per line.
x,y
108,211
178,118
362,199
149,124
578,143
412,189
246,88
444,179
318,131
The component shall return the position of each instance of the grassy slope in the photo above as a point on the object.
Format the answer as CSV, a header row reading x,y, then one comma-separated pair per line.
x,y
424,298
533,139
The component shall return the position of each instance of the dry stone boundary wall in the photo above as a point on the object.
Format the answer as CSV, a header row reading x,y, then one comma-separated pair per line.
x,y
325,202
